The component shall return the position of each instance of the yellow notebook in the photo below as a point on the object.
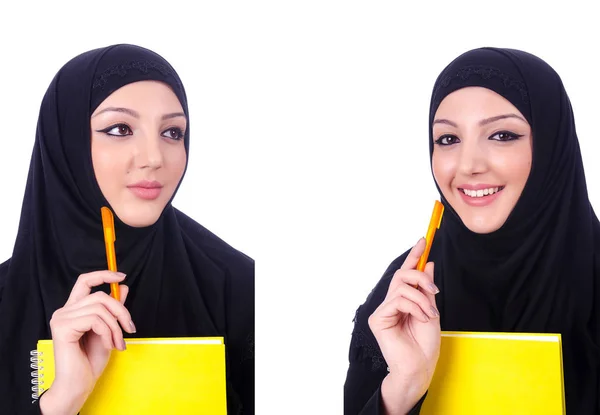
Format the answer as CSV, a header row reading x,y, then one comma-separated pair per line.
x,y
153,376
497,373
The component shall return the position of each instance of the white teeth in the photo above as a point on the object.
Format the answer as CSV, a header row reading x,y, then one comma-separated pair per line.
x,y
481,192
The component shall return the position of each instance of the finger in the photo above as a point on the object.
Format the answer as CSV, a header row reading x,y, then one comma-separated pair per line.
x,y
418,297
124,292
414,255
410,262
99,327
99,309
429,272
116,309
413,278
86,282
71,329
389,313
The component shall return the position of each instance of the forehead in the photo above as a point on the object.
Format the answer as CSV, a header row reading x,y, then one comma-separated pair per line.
x,y
474,102
143,92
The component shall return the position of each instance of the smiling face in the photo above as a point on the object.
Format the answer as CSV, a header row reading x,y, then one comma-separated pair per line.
x,y
138,150
482,156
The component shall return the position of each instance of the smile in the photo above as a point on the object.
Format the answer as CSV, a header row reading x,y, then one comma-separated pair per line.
x,y
480,197
481,192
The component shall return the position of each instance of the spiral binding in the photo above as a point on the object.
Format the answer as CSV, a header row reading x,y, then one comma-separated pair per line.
x,y
37,376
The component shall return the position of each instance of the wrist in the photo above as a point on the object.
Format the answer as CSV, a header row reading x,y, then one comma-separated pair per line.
x,y
59,401
399,396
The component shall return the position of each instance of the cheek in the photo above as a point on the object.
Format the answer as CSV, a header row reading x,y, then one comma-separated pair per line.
x,y
521,171
107,160
177,159
515,165
444,167
525,168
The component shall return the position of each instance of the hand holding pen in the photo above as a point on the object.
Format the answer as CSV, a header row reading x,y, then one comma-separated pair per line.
x,y
84,332
406,326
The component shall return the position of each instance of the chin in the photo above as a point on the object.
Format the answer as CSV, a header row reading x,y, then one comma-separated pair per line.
x,y
139,218
482,226
481,220
140,222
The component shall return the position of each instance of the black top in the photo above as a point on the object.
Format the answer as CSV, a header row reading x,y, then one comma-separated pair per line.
x,y
184,281
539,271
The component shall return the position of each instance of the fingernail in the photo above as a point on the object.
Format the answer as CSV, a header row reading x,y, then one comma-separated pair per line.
x,y
133,329
420,239
124,345
120,274
434,311
433,288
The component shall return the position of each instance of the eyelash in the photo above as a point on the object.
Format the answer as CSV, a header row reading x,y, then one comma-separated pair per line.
x,y
511,137
179,133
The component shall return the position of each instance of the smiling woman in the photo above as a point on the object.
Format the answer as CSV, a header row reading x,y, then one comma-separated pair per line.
x,y
482,156
114,131
518,249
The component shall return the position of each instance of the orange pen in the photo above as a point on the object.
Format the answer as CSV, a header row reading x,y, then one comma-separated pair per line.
x,y
108,224
434,224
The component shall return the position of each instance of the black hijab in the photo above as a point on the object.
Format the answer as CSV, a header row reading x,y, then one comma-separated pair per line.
x,y
539,271
184,281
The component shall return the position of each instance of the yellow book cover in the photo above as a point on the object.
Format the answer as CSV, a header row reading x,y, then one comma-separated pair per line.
x,y
153,376
497,373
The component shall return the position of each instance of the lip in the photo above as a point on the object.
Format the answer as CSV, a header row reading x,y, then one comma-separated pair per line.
x,y
478,186
479,201
145,189
147,184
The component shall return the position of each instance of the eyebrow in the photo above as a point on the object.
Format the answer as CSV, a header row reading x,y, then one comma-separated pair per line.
x,y
134,114
482,122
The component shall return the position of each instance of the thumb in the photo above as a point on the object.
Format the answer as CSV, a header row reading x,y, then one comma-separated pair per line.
x,y
124,291
429,271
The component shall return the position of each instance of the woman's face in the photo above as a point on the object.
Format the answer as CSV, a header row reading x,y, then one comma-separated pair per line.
x,y
482,156
138,151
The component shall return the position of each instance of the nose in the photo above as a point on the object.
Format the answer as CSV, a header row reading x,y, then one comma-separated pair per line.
x,y
149,152
473,158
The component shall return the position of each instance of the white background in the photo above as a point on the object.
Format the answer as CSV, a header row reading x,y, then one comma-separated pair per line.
x,y
309,139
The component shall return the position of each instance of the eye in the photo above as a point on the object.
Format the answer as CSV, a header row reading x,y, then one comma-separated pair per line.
x,y
174,133
505,136
447,140
117,130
